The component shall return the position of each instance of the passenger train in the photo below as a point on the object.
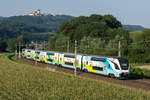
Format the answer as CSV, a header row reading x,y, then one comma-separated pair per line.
x,y
105,65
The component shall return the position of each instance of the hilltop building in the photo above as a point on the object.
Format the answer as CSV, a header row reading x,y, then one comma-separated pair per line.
x,y
35,13
38,13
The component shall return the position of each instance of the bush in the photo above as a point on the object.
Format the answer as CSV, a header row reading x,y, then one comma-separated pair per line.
x,y
136,73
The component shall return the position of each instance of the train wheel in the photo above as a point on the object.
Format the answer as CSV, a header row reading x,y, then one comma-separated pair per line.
x,y
60,65
78,69
85,70
111,75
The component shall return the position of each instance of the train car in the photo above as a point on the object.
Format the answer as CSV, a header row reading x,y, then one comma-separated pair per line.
x,y
110,66
68,60
41,56
27,53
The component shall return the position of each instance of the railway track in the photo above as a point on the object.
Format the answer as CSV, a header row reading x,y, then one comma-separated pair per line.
x,y
143,84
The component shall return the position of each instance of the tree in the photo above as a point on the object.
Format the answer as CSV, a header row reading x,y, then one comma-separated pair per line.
x,y
94,26
58,43
22,39
12,44
3,45
112,21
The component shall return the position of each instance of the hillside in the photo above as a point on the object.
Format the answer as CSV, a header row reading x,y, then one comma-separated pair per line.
x,y
26,82
9,29
133,27
135,34
31,26
1,18
50,22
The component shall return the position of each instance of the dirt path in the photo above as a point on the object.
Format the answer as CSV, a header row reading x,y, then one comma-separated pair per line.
x,y
144,67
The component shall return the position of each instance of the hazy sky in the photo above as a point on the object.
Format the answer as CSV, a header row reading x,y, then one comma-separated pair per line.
x,y
135,12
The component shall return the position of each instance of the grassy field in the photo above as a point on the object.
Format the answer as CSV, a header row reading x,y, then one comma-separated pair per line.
x,y
20,81
135,34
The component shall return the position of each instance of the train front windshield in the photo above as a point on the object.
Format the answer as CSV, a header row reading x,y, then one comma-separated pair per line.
x,y
124,64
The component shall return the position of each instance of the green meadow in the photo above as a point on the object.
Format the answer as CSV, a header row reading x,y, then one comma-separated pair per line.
x,y
19,81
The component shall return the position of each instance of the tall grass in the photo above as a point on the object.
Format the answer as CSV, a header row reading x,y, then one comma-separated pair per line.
x,y
25,82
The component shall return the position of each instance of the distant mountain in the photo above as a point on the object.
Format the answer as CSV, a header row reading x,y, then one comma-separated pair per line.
x,y
50,22
1,18
133,27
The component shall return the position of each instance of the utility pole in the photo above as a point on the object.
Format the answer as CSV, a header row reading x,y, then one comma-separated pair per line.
x,y
19,49
16,50
119,48
44,45
26,46
36,52
75,71
68,46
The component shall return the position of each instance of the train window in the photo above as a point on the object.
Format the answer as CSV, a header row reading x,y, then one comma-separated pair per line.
x,y
28,51
68,63
98,59
69,56
98,68
50,53
124,63
116,66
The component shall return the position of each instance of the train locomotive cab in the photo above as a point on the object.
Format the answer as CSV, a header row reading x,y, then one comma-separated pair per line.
x,y
120,67
27,53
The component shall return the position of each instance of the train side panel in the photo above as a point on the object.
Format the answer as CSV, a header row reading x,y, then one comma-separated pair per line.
x,y
50,57
69,61
98,67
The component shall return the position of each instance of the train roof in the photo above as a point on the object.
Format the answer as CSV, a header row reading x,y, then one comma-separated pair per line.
x,y
116,57
94,55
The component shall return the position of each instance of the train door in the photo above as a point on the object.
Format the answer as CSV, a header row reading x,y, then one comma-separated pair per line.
x,y
60,59
105,67
84,63
79,61
56,57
